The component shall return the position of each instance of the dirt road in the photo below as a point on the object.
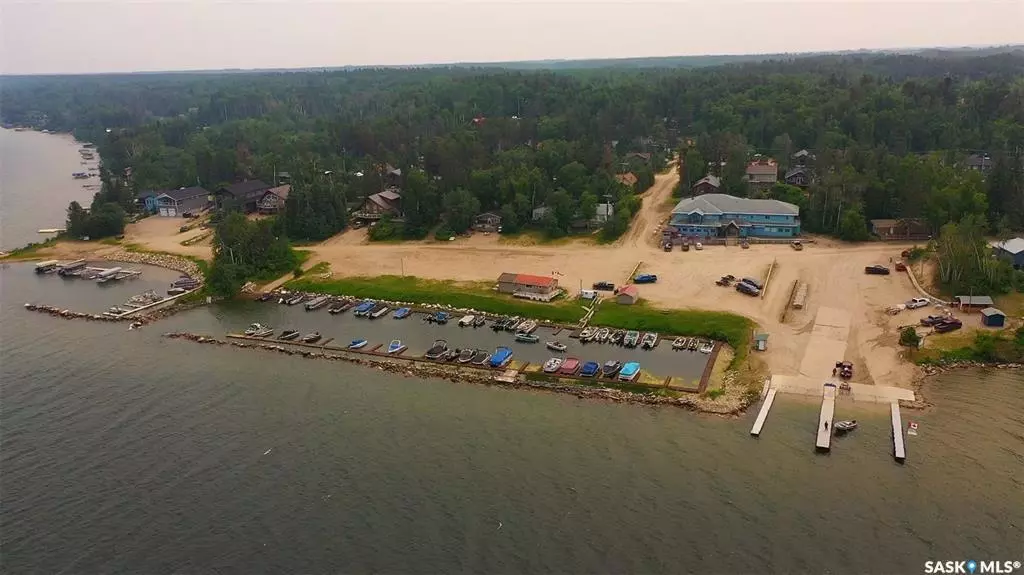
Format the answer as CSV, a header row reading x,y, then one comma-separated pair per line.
x,y
654,210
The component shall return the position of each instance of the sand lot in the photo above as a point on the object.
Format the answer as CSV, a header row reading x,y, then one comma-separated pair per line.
x,y
833,271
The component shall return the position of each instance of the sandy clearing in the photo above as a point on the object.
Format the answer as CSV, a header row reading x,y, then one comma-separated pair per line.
x,y
161,234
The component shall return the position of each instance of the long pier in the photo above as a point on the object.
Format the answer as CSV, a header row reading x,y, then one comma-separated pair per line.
x,y
763,414
828,409
899,448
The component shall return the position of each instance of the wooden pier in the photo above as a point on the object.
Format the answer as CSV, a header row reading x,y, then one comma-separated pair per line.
x,y
899,448
763,414
828,409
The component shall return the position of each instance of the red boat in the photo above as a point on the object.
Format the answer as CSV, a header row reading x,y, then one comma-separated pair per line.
x,y
570,366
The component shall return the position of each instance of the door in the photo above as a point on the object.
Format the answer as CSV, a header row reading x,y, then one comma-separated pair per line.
x,y
163,212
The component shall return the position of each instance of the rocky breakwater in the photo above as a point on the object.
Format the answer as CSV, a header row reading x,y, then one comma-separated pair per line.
x,y
183,265
70,314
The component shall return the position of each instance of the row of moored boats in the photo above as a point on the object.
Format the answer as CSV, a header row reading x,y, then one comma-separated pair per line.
x,y
611,369
628,338
693,344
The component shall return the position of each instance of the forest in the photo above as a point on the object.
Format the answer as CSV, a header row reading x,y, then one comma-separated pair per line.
x,y
890,134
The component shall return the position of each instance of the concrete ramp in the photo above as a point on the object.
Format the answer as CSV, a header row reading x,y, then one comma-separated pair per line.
x,y
827,344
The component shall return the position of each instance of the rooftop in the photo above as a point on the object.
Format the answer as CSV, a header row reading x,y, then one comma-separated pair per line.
x,y
710,179
246,189
185,193
281,191
1013,246
630,290
711,204
536,281
974,300
990,311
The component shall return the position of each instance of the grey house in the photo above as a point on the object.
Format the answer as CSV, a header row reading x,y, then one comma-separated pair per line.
x,y
173,203
1011,251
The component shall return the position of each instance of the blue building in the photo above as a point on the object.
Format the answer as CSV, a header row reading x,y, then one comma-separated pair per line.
x,y
148,200
721,215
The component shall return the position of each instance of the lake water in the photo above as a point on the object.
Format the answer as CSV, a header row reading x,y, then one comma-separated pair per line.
x,y
36,184
126,452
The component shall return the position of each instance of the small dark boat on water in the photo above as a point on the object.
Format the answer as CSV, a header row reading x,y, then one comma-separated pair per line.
x,y
288,335
451,355
617,336
437,350
845,426
479,321
294,300
499,324
339,307
312,337
466,355
610,368
480,357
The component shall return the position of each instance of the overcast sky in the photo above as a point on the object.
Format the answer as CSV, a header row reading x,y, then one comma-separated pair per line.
x,y
73,36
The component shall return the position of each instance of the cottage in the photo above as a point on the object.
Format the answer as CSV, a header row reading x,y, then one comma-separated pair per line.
x,y
628,179
178,202
386,203
487,222
273,199
707,185
979,162
642,156
245,194
147,201
901,229
799,176
526,285
722,215
802,158
627,295
969,302
1011,250
762,173
603,214
992,317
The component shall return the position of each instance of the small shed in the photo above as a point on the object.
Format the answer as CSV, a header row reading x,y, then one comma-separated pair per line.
x,y
627,295
761,342
991,317
969,302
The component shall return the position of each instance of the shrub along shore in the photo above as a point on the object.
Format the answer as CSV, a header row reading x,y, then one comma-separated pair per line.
x,y
722,326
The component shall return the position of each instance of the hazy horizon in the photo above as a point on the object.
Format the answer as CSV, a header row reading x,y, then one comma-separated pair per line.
x,y
53,37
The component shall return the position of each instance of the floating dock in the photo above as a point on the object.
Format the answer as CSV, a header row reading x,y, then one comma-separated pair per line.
x,y
828,409
899,448
763,414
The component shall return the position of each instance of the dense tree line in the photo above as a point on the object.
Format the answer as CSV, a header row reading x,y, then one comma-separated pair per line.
x,y
105,216
889,134
244,250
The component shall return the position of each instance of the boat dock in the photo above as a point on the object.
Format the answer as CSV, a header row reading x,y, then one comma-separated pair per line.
x,y
763,414
899,448
828,409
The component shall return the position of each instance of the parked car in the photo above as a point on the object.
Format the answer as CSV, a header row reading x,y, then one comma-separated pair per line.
x,y
879,270
797,245
901,267
748,289
667,246
604,286
753,282
698,246
745,245
917,302
934,319
645,279
948,325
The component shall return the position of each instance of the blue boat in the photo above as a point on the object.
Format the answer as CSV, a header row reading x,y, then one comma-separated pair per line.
x,y
361,309
402,313
396,346
500,357
357,344
629,371
590,369
442,317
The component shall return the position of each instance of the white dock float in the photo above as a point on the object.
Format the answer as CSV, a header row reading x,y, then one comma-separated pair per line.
x,y
899,448
763,414
828,409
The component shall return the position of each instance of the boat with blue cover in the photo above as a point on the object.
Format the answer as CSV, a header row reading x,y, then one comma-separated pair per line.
x,y
361,309
590,369
629,371
440,317
396,346
501,356
402,313
357,344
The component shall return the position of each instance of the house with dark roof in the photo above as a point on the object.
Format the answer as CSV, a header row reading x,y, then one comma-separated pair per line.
x,y
762,173
245,194
799,176
386,203
901,229
273,199
978,162
176,203
802,158
487,222
709,184
147,200
722,215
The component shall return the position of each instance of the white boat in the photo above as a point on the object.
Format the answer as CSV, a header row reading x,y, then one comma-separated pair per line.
x,y
254,328
602,335
587,334
527,326
466,320
707,347
396,346
555,346
679,343
844,426
552,365
357,344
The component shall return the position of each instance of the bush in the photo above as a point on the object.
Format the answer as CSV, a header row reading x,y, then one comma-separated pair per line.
x,y
297,272
909,337
443,233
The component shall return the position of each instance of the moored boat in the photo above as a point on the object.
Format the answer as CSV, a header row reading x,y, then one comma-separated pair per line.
x,y
708,347
440,317
555,346
602,335
402,313
499,324
466,355
311,337
527,326
526,337
396,346
631,338
361,309
479,321
437,350
288,335
649,340
253,328
466,320
552,365
295,299
629,371
501,356
378,310
679,343
339,307
610,368
480,357
451,355
264,332
845,426
357,344
47,266
513,324
174,290
590,369
617,337
587,334
570,366
694,343
317,303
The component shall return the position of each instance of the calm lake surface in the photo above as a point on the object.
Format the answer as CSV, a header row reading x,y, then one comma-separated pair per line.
x,y
36,184
126,452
